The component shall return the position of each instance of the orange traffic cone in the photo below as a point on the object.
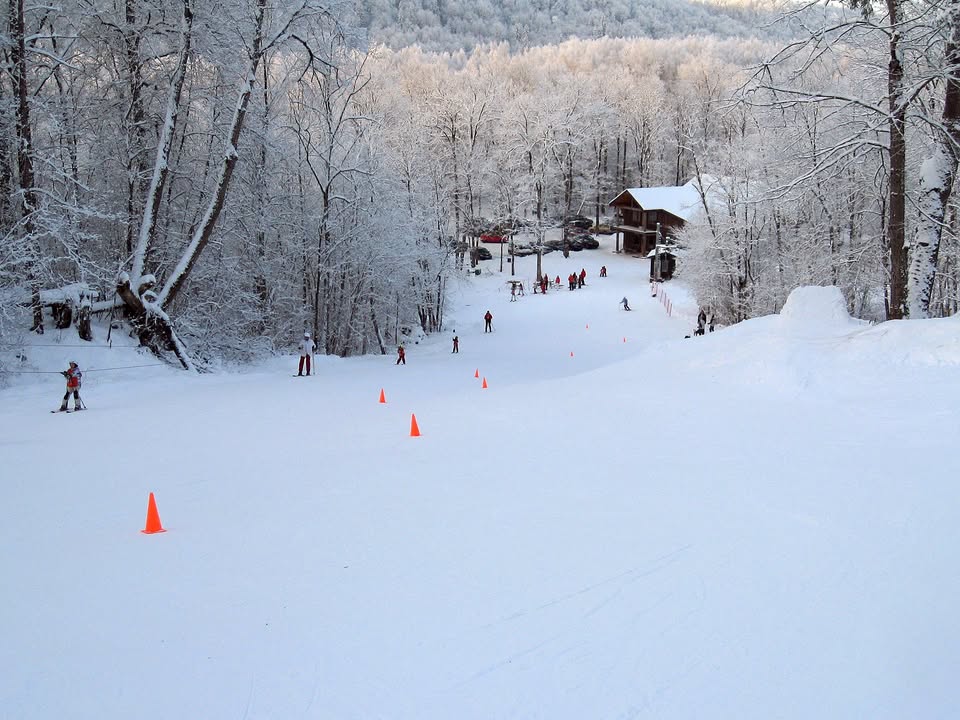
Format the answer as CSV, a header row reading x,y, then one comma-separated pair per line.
x,y
414,428
484,386
588,326
153,518
624,339
383,398
476,373
571,353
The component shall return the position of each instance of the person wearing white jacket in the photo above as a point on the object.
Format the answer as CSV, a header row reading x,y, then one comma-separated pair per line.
x,y
307,348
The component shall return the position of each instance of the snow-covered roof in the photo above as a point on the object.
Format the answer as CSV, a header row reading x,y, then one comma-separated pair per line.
x,y
664,250
682,201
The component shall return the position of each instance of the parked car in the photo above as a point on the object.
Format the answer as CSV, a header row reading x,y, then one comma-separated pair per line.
x,y
492,238
523,250
578,221
575,244
601,230
484,254
589,242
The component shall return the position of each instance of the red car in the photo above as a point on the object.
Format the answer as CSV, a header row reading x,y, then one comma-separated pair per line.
x,y
493,239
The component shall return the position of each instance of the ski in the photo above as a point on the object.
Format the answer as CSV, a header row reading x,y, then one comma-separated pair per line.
x,y
61,411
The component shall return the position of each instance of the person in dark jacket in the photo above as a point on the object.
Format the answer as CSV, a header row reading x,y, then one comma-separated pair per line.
x,y
487,322
456,344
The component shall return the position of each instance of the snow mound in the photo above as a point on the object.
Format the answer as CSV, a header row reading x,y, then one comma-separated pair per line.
x,y
817,309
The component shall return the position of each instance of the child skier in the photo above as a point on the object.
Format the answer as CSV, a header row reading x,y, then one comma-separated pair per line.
x,y
73,376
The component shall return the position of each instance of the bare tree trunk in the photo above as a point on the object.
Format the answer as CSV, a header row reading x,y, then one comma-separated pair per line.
x,y
151,205
896,227
28,192
204,231
135,160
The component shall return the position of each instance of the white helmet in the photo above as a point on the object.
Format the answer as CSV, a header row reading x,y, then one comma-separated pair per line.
x,y
306,335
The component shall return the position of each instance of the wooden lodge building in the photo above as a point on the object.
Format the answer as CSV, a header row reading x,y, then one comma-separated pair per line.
x,y
640,211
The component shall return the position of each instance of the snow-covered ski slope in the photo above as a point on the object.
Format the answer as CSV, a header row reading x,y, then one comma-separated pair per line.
x,y
759,523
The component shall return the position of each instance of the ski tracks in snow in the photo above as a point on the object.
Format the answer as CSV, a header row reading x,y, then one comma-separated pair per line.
x,y
614,586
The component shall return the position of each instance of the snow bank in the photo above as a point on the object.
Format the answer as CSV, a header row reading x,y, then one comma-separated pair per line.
x,y
923,343
814,340
817,310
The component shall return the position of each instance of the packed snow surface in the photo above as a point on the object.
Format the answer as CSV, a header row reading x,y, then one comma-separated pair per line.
x,y
626,523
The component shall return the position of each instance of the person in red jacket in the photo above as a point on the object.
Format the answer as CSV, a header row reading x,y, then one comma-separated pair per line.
x,y
73,376
401,355
583,278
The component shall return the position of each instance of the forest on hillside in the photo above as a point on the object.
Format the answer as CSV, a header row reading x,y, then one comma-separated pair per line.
x,y
451,25
224,178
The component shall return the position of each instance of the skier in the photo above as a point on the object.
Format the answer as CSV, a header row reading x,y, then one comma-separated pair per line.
x,y
456,344
401,355
710,320
603,271
582,280
307,347
487,320
626,305
73,376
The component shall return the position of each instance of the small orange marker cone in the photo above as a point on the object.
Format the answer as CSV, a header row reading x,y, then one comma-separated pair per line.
x,y
153,518
476,373
414,428
484,386
624,339
588,326
383,398
571,353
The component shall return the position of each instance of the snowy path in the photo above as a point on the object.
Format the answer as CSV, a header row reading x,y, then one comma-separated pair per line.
x,y
663,528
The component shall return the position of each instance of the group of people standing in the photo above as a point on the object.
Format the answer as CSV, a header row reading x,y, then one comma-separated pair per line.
x,y
705,320
575,281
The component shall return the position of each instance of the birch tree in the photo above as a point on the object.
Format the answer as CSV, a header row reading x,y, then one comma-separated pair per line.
x,y
939,170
